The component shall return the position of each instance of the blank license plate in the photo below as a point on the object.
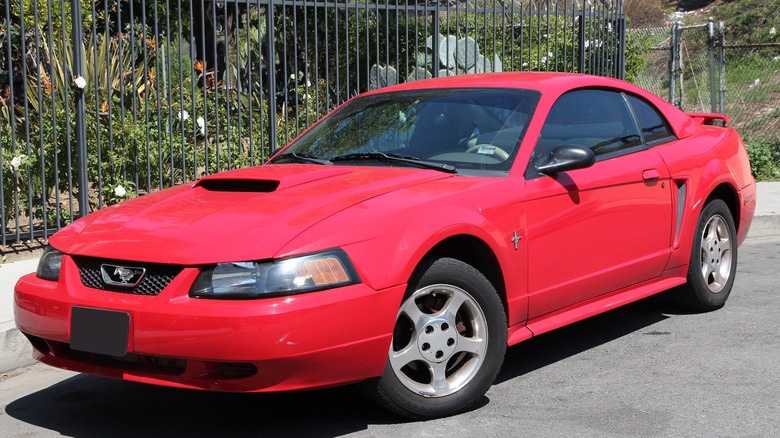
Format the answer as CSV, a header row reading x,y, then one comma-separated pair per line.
x,y
99,331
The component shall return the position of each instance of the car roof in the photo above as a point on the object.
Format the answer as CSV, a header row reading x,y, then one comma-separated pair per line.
x,y
540,81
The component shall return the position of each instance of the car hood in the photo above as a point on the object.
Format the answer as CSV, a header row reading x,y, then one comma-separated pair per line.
x,y
246,214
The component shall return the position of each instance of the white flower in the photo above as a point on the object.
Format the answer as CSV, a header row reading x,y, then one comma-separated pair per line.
x,y
201,124
80,82
544,60
776,58
773,31
17,161
120,191
525,64
183,115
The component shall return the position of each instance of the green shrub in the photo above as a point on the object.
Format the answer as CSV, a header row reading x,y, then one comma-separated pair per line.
x,y
765,160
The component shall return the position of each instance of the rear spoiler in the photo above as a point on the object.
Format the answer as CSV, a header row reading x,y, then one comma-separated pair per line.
x,y
710,118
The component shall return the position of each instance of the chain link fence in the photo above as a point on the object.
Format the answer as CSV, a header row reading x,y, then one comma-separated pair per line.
x,y
748,90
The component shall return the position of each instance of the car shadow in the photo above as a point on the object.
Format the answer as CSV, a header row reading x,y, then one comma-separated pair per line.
x,y
560,344
93,406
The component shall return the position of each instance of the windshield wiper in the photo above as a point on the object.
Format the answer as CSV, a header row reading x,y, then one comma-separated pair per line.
x,y
395,158
301,158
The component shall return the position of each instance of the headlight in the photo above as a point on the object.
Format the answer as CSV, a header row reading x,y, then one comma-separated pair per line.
x,y
49,264
280,277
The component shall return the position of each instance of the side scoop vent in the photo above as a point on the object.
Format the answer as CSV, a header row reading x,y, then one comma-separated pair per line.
x,y
682,190
238,185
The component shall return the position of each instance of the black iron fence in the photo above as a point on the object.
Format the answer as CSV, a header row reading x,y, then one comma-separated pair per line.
x,y
105,100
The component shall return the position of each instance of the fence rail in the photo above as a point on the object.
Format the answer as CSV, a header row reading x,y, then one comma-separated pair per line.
x,y
106,100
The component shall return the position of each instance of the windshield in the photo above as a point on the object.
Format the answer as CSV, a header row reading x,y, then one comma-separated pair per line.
x,y
466,128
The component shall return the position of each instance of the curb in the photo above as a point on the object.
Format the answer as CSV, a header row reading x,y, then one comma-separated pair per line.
x,y
15,350
765,226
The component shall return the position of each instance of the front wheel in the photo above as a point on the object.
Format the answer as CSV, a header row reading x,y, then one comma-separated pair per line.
x,y
713,262
448,343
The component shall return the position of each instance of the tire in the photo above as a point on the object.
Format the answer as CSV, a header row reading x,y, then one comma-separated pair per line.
x,y
713,263
448,343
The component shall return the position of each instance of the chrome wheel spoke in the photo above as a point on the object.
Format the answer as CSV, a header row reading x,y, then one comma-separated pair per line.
x,y
475,346
450,309
409,354
439,377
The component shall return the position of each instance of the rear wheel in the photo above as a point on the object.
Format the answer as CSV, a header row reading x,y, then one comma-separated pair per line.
x,y
713,262
448,343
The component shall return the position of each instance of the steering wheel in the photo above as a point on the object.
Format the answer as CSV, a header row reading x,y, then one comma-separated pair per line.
x,y
498,153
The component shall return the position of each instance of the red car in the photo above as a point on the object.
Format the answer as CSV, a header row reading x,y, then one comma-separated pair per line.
x,y
404,241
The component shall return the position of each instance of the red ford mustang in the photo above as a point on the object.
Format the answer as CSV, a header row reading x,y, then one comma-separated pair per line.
x,y
404,242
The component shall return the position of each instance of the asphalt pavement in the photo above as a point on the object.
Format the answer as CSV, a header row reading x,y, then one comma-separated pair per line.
x,y
15,351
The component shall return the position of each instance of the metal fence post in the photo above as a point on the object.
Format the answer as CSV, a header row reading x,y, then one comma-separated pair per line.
x,y
722,67
711,53
582,41
673,64
271,66
77,39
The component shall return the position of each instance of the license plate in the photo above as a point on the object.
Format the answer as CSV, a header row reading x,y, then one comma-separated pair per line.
x,y
99,331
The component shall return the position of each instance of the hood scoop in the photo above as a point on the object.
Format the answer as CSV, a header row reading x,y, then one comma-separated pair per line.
x,y
238,185
269,178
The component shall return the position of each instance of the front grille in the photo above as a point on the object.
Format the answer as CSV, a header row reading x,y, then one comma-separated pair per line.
x,y
157,276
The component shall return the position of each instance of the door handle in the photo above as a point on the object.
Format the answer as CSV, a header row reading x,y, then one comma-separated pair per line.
x,y
650,175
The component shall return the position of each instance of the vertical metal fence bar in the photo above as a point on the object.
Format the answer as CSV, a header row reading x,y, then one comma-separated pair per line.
x,y
7,15
66,94
271,68
711,53
673,64
147,92
306,82
98,104
122,138
109,100
250,88
167,54
134,101
193,116
294,78
14,144
722,67
41,143
223,83
26,171
191,71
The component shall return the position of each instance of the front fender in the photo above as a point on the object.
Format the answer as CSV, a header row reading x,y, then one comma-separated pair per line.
x,y
388,236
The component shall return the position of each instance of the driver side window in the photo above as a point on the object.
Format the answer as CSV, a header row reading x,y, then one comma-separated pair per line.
x,y
597,119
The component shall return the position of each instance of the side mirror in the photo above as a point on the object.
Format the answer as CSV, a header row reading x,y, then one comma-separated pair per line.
x,y
566,157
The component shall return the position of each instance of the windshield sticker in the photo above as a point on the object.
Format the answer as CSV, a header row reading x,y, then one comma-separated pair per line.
x,y
486,149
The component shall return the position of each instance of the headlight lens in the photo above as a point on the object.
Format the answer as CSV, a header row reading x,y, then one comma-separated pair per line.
x,y
280,277
49,264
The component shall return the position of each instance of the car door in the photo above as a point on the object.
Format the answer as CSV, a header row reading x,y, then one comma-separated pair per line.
x,y
595,230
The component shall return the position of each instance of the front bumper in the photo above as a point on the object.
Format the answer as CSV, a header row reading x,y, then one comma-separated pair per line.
x,y
311,340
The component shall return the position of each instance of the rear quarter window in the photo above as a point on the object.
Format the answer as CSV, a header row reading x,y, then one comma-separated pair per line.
x,y
655,129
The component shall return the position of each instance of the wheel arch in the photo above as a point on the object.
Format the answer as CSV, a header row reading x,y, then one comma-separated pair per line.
x,y
475,252
728,194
